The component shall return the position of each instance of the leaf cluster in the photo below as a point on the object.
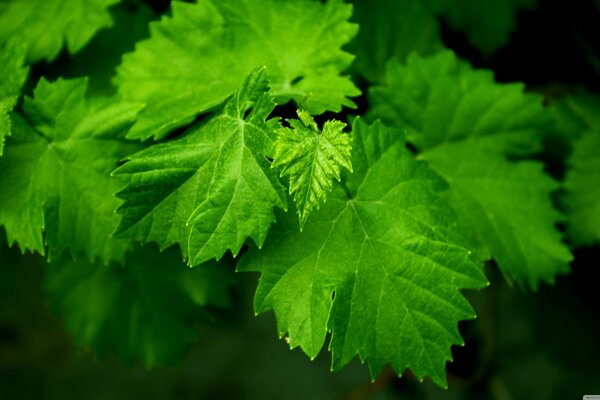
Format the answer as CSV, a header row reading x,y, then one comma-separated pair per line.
x,y
365,224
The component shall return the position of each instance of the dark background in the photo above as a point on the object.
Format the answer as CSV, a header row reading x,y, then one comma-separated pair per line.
x,y
543,345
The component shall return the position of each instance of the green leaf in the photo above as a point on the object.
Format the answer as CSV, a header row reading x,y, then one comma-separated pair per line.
x,y
576,114
12,78
487,24
99,58
388,29
508,205
44,26
378,266
212,189
466,125
441,99
55,172
199,56
311,159
583,190
118,309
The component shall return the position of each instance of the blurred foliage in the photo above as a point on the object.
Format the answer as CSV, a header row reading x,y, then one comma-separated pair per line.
x,y
522,346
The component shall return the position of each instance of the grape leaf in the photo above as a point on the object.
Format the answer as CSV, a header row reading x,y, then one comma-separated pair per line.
x,y
199,56
55,172
441,99
391,28
377,266
576,114
212,189
311,159
487,24
43,26
466,125
509,207
99,58
578,123
117,309
12,78
583,190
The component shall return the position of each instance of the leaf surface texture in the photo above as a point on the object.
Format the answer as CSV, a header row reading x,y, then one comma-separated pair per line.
x,y
469,128
212,189
55,171
199,56
378,266
44,27
311,159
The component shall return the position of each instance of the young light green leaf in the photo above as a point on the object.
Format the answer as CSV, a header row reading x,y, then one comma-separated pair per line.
x,y
464,123
55,172
212,189
200,55
378,266
145,310
311,159
12,78
43,26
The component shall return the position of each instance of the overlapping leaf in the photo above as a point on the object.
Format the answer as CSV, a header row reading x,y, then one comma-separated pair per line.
x,y
378,265
99,58
576,114
12,77
464,124
487,24
391,28
212,189
146,310
508,206
55,172
44,26
440,99
578,118
583,187
311,159
199,56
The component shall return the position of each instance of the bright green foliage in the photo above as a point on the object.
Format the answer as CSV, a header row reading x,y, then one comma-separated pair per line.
x,y
441,99
118,309
377,266
508,206
391,28
12,77
199,56
465,125
487,23
583,190
311,159
43,26
388,224
56,187
212,189
100,57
